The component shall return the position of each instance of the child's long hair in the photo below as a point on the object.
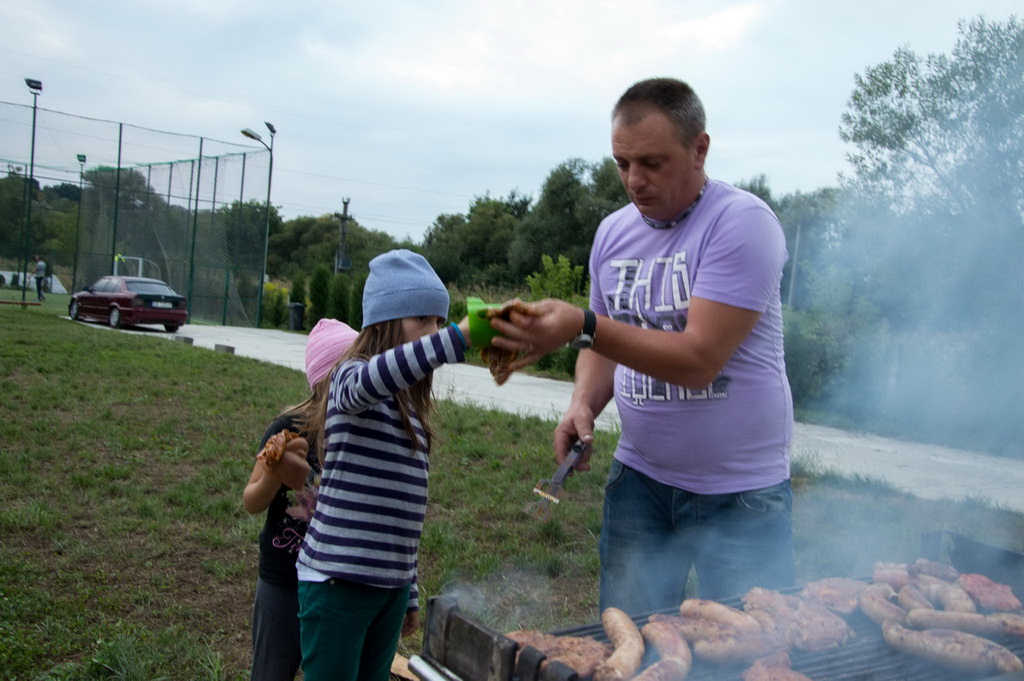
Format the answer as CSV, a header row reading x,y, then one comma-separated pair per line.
x,y
378,338
309,416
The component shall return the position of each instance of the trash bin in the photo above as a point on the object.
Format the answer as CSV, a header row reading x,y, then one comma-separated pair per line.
x,y
296,314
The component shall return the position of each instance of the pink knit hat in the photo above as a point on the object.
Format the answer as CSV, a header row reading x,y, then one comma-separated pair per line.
x,y
327,342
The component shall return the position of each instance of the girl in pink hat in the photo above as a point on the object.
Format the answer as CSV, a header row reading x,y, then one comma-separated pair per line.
x,y
276,653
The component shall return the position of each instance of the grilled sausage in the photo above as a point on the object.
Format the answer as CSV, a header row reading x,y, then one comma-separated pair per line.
x,y
911,596
896,575
629,647
668,642
971,622
674,654
692,629
1013,625
874,602
665,670
735,648
956,649
953,597
700,608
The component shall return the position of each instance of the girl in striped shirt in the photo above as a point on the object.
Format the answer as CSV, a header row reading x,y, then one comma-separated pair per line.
x,y
357,565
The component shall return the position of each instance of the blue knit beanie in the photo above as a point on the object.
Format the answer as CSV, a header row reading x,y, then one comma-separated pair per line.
x,y
402,284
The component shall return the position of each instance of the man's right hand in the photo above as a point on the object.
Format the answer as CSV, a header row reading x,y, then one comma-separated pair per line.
x,y
576,424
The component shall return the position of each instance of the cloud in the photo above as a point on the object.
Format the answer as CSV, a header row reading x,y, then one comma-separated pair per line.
x,y
41,30
493,53
401,103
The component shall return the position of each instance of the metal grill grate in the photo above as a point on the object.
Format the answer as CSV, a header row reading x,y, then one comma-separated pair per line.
x,y
456,645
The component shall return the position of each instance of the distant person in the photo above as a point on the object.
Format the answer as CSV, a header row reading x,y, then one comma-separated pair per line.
x,y
276,653
685,333
40,277
357,566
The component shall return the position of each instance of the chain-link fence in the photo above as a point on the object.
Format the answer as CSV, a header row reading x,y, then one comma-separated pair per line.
x,y
111,198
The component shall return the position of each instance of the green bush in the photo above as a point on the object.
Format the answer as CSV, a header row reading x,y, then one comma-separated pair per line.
x,y
457,310
356,315
319,295
559,279
339,304
298,293
818,352
275,306
560,362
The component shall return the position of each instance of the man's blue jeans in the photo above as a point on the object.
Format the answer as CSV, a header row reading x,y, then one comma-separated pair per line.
x,y
654,533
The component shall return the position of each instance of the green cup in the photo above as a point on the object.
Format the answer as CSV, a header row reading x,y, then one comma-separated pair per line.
x,y
480,331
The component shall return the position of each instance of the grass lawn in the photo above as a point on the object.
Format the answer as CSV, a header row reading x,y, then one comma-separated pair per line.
x,y
125,551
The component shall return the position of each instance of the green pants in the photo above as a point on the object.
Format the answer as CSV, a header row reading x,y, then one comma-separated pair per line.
x,y
350,631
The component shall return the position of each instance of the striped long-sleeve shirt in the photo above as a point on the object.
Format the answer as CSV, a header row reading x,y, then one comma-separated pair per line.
x,y
373,493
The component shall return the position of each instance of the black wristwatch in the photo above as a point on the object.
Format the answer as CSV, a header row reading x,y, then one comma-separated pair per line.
x,y
585,339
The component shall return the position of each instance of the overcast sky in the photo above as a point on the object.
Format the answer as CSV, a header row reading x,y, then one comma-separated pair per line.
x,y
413,108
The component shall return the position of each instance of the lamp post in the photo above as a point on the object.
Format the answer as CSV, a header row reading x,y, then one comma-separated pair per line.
x,y
35,87
266,233
78,219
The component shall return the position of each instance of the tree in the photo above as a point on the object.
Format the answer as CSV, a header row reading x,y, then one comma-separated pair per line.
x,y
944,127
54,215
306,242
122,207
574,199
473,249
934,232
12,213
940,143
443,248
758,186
812,227
64,190
245,225
302,244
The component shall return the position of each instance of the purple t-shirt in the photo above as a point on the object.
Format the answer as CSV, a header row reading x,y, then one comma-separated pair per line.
x,y
734,435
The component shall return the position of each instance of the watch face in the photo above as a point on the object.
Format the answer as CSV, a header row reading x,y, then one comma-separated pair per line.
x,y
582,341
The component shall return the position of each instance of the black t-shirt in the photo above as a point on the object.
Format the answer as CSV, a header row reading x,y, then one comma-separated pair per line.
x,y
281,536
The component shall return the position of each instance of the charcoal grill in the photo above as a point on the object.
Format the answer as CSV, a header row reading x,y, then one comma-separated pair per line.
x,y
456,648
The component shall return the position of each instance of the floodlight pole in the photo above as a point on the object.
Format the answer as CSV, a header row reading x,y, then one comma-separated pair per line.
x,y
78,219
35,87
266,233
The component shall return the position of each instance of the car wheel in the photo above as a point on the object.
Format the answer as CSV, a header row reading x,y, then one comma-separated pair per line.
x,y
115,318
172,328
73,309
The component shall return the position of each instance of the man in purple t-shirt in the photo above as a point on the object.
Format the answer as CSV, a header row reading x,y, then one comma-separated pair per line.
x,y
684,332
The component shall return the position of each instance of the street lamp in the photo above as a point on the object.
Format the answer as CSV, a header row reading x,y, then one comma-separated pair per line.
x,y
266,235
78,220
35,87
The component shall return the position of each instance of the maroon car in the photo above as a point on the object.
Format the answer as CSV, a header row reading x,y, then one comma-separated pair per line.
x,y
121,301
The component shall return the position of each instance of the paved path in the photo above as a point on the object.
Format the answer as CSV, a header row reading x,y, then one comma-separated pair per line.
x,y
927,471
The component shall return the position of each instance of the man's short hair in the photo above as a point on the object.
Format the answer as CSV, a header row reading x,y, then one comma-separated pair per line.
x,y
671,96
